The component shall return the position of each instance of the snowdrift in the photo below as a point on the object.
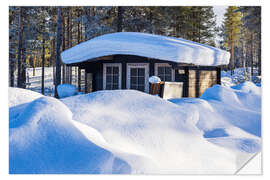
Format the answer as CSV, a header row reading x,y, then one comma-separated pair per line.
x,y
127,131
18,99
18,96
151,127
229,117
45,140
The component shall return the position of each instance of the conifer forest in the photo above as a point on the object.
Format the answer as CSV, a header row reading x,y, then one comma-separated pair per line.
x,y
37,35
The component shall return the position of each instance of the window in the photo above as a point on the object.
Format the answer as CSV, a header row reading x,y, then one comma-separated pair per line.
x,y
111,76
137,76
164,71
137,79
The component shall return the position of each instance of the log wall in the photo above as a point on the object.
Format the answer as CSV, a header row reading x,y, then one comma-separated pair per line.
x,y
200,80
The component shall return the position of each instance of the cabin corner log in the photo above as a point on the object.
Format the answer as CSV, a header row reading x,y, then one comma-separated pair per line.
x,y
218,75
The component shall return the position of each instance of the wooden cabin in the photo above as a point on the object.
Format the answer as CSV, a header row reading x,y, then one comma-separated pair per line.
x,y
126,60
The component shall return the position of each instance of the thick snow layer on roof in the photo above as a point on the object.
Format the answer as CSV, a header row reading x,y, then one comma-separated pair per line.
x,y
147,45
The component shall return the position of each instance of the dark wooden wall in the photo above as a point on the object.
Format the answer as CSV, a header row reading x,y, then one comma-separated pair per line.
x,y
195,78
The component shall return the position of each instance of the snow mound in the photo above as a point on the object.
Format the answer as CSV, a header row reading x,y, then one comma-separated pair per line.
x,y
18,99
152,128
239,107
221,93
228,117
246,95
44,139
66,90
17,96
147,45
248,87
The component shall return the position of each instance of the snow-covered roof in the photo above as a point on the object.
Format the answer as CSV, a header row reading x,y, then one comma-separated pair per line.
x,y
147,45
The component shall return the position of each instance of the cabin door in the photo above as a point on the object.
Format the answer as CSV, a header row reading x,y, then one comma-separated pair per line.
x,y
138,76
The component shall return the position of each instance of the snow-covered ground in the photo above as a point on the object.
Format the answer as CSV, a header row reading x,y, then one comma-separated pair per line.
x,y
34,81
127,131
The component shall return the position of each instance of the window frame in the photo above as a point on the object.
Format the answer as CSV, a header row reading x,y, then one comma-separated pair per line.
x,y
105,65
157,65
138,65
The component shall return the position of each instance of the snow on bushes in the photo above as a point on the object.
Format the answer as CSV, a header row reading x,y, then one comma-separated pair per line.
x,y
154,79
240,75
66,90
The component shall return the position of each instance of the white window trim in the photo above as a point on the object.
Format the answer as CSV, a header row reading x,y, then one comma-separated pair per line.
x,y
164,65
138,65
105,65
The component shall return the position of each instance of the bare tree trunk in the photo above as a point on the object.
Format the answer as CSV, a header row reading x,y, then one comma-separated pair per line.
x,y
23,73
20,30
232,58
34,65
259,57
247,57
58,44
11,69
71,44
11,72
78,41
53,58
43,64
120,19
252,55
63,48
151,20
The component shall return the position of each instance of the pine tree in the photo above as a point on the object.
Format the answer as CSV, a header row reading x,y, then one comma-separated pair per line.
x,y
252,22
232,31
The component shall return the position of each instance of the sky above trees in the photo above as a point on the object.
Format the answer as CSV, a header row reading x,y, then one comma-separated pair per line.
x,y
219,11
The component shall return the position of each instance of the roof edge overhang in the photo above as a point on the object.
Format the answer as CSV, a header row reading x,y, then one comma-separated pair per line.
x,y
174,64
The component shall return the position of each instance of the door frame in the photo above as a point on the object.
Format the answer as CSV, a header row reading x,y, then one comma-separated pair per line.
x,y
139,65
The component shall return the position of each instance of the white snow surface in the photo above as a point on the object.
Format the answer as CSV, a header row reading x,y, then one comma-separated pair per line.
x,y
18,96
127,131
147,45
